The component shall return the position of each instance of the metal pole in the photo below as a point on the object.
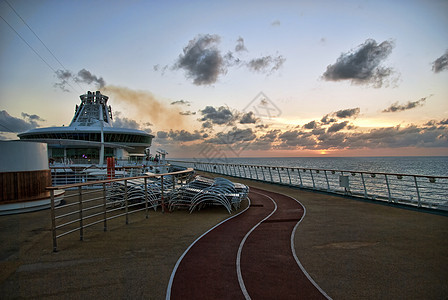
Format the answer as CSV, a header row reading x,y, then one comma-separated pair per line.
x,y
289,176
364,185
162,196
326,177
250,172
146,196
270,173
244,170
126,200
388,188
256,173
300,177
419,204
312,178
279,176
104,207
81,233
53,222
262,172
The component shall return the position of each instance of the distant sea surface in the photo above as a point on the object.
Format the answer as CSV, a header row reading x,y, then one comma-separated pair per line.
x,y
411,165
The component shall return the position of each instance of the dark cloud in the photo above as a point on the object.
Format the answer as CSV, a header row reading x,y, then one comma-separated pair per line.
x,y
83,76
240,45
310,125
187,113
409,105
9,123
202,60
248,118
220,116
362,66
233,137
275,23
123,122
327,119
296,139
337,126
162,134
266,64
181,102
348,113
184,136
441,63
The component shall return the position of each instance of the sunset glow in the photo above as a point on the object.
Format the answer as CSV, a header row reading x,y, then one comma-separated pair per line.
x,y
236,79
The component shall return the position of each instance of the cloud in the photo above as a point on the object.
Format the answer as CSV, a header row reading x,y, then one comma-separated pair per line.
x,y
181,102
123,122
184,136
187,113
233,137
220,116
310,125
202,59
9,123
327,119
248,118
362,66
266,64
240,45
275,23
162,134
337,126
441,63
409,105
348,113
83,76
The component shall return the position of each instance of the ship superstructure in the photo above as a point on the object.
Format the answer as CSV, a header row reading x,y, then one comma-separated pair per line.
x,y
91,137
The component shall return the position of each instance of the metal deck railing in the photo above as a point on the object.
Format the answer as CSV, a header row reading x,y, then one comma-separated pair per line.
x,y
96,202
414,190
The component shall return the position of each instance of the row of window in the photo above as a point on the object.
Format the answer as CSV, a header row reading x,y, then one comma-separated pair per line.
x,y
93,137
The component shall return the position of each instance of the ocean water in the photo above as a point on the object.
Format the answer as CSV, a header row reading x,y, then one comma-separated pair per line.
x,y
409,165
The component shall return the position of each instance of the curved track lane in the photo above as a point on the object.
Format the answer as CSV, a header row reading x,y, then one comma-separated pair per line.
x,y
250,256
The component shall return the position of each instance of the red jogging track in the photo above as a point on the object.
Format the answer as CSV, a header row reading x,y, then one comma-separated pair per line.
x,y
260,240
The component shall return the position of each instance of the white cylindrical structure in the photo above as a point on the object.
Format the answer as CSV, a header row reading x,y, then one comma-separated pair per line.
x,y
17,156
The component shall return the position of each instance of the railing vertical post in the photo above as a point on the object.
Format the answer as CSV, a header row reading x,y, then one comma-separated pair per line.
x,y
279,175
289,176
262,172
162,195
300,177
239,170
126,201
312,178
250,172
256,173
326,178
270,173
81,229
244,170
53,222
419,204
104,208
145,181
364,185
388,188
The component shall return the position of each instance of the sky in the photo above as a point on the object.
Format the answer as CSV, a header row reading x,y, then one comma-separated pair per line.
x,y
216,79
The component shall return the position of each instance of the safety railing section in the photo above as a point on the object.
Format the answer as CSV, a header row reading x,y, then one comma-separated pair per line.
x,y
96,202
64,175
415,190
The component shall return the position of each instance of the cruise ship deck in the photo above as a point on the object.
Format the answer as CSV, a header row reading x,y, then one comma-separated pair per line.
x,y
351,249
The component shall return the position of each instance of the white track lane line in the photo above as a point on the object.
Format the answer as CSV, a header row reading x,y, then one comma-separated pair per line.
x,y
293,249
173,273
240,249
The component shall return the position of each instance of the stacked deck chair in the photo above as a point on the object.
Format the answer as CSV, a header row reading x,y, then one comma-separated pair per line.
x,y
205,191
135,191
